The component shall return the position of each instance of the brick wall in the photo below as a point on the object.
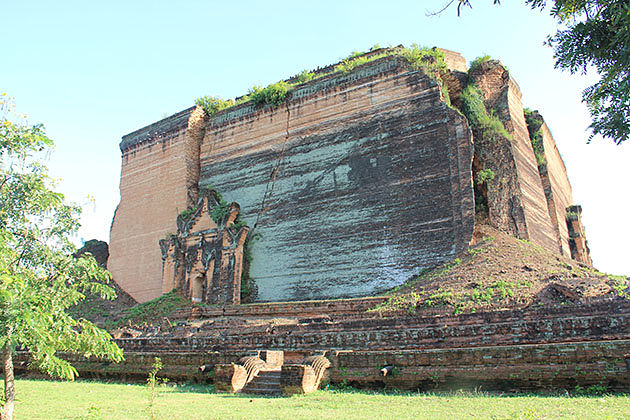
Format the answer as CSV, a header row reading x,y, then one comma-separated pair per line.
x,y
355,184
153,191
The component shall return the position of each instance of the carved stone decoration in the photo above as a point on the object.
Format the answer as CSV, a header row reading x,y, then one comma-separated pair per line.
x,y
205,258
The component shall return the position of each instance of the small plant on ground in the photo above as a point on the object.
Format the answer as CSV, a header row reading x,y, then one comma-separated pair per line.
x,y
152,383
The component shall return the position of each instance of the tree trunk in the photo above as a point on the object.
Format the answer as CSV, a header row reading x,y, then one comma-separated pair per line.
x,y
9,384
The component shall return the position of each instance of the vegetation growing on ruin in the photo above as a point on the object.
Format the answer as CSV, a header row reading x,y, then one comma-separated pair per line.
x,y
499,271
153,310
534,127
273,95
478,62
218,213
186,214
487,124
429,60
305,76
213,104
484,176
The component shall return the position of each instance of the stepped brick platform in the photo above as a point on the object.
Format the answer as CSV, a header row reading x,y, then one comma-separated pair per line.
x,y
520,349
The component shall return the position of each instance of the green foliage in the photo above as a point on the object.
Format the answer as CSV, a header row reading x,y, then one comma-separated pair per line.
x,y
212,104
620,285
54,400
153,310
152,383
349,64
430,60
478,61
273,95
488,125
186,214
40,279
595,34
305,76
591,390
484,176
534,127
220,210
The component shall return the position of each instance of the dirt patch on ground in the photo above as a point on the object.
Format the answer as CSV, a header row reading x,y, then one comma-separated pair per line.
x,y
500,271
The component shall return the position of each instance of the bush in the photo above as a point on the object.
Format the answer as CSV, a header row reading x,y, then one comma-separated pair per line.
x,y
479,61
212,104
273,95
484,176
490,126
430,60
305,76
534,127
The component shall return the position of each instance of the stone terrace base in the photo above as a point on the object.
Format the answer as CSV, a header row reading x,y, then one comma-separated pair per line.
x,y
555,347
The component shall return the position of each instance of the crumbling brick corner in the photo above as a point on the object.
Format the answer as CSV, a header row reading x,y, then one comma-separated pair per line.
x,y
577,237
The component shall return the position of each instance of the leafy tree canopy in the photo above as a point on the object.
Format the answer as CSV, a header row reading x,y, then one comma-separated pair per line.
x,y
593,34
39,276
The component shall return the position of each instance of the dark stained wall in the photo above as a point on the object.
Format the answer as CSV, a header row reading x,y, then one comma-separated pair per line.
x,y
357,183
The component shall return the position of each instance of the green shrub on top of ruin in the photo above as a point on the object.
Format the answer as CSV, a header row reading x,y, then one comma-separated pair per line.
x,y
489,125
305,76
430,60
478,62
484,176
534,127
213,104
273,95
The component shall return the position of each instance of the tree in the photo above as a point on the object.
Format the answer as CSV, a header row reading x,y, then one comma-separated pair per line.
x,y
39,277
593,34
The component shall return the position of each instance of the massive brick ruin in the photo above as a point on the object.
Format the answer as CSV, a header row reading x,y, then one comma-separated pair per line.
x,y
354,184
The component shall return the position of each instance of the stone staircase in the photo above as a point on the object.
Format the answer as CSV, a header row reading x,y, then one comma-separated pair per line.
x,y
267,373
266,382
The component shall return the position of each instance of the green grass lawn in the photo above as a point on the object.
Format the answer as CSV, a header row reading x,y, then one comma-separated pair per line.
x,y
92,400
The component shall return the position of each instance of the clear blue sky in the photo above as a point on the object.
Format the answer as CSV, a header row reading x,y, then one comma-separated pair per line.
x,y
94,71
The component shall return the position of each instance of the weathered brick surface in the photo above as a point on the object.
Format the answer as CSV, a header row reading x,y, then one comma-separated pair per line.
x,y
557,189
153,191
519,205
558,347
522,367
597,321
355,184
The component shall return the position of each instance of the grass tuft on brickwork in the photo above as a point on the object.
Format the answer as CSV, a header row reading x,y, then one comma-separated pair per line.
x,y
487,124
153,310
429,60
498,272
